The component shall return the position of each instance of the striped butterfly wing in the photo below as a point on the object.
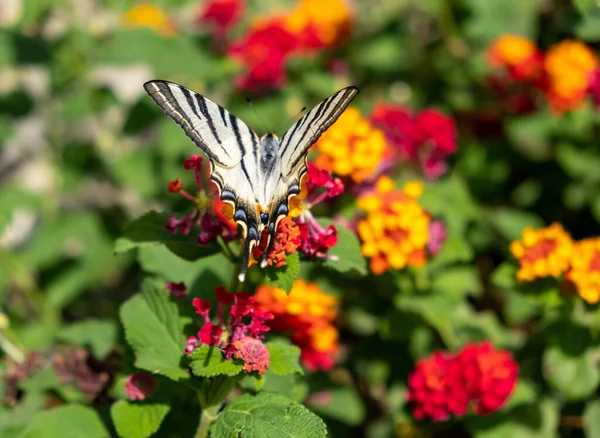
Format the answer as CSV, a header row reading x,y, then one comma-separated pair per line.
x,y
231,146
293,150
223,137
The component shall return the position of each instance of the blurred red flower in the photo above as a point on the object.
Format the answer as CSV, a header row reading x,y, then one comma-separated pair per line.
x,y
478,378
221,15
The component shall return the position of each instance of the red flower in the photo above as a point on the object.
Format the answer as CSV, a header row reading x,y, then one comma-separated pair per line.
x,y
222,15
177,289
175,185
139,386
264,52
594,88
426,138
478,378
244,321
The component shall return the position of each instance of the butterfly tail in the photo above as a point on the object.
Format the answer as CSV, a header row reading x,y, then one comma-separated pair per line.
x,y
270,242
250,242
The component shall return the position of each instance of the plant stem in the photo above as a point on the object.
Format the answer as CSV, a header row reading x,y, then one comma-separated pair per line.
x,y
209,414
10,349
226,249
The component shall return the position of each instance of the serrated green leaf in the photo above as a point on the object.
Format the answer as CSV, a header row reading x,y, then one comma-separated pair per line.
x,y
137,420
346,251
267,415
343,404
153,329
284,357
207,361
149,230
283,277
99,335
70,421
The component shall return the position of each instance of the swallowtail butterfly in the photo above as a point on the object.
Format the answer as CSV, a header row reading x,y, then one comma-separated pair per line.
x,y
257,176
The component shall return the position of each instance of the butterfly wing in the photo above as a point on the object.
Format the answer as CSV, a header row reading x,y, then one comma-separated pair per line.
x,y
231,146
293,149
221,135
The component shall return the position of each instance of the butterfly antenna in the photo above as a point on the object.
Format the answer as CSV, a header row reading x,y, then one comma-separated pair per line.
x,y
256,113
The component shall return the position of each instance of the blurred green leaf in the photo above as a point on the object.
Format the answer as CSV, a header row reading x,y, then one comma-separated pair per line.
x,y
577,162
267,414
347,251
511,222
341,404
154,332
99,335
284,358
291,385
591,418
575,377
137,420
69,421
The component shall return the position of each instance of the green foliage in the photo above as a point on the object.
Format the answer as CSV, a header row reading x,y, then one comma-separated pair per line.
x,y
154,331
209,362
285,276
137,420
284,358
66,421
267,415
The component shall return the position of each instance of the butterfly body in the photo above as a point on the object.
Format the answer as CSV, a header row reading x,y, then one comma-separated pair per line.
x,y
256,176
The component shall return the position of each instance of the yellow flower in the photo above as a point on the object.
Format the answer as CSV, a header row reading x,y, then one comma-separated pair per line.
x,y
352,147
331,19
394,233
511,50
585,269
542,253
145,15
569,66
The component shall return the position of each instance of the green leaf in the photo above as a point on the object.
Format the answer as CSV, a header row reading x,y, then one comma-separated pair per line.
x,y
511,222
531,134
591,418
153,329
149,230
207,361
575,377
99,335
458,281
137,420
284,357
70,421
587,6
505,275
534,420
347,251
345,405
579,163
267,415
283,277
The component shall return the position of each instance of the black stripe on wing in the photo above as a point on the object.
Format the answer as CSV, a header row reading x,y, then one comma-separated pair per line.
x,y
303,134
207,124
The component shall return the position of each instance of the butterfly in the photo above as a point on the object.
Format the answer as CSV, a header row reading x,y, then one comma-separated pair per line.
x,y
257,176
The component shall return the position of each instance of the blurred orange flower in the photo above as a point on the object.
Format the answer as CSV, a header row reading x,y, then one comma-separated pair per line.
x,y
352,147
542,253
521,57
145,15
570,68
585,269
328,20
394,233
308,313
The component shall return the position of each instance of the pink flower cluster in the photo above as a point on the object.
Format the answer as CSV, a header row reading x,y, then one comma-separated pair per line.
x,y
240,334
479,378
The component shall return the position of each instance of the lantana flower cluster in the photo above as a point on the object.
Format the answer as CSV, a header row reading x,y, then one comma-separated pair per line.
x,y
207,213
238,333
478,379
308,314
566,73
272,41
551,252
147,15
395,231
426,138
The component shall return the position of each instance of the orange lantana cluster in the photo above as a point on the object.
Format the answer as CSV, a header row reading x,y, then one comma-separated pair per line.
x,y
352,147
566,74
147,15
309,314
395,231
551,252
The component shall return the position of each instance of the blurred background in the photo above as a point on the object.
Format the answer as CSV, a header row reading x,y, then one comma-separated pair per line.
x,y
507,89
